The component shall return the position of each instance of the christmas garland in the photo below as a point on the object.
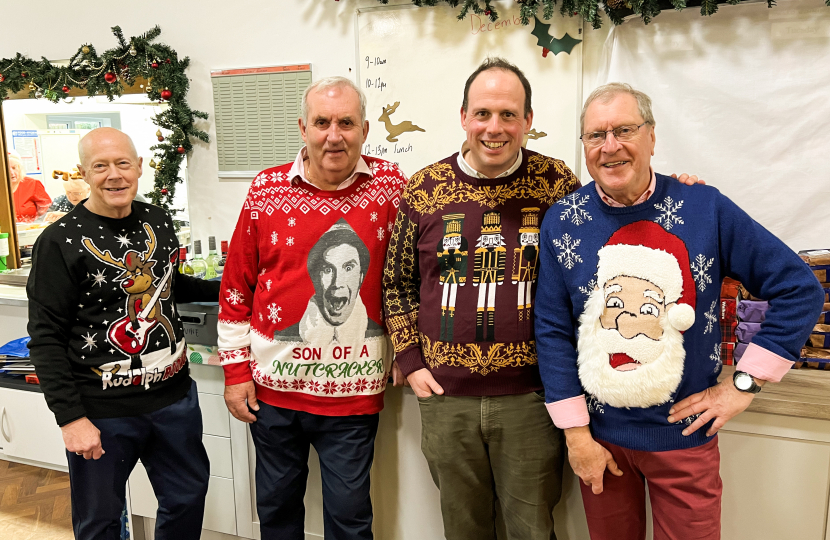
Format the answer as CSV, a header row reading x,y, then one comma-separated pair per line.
x,y
616,10
108,74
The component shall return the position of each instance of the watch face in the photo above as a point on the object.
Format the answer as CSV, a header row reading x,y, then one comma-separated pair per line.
x,y
743,381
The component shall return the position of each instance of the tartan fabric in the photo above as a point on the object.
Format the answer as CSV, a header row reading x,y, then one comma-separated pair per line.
x,y
727,354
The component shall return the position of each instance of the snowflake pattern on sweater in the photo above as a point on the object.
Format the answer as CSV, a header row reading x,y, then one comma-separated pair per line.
x,y
301,300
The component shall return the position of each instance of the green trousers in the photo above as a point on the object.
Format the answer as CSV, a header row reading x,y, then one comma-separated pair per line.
x,y
497,462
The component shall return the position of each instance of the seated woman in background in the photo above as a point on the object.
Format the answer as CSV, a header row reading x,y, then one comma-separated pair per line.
x,y
76,191
30,198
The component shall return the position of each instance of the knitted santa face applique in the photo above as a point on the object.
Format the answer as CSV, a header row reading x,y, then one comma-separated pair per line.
x,y
631,333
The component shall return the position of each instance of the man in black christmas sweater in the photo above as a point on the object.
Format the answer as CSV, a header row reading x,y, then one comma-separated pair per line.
x,y
109,349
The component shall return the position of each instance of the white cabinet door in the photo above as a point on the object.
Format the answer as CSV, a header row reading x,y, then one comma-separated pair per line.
x,y
220,514
28,429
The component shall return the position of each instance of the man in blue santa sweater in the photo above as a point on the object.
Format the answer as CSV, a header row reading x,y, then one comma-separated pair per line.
x,y
638,259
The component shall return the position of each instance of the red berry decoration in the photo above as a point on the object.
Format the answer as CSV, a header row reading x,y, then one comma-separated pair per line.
x,y
24,74
164,191
166,94
167,61
487,12
154,65
65,89
2,78
180,149
110,77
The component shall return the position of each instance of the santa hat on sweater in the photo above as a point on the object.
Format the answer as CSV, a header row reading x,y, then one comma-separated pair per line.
x,y
645,250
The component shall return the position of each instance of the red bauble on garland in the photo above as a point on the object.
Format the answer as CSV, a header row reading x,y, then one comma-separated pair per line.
x,y
24,74
180,149
164,191
166,94
110,77
65,89
2,78
161,139
154,65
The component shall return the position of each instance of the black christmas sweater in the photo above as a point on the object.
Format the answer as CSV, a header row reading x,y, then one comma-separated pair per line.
x,y
106,338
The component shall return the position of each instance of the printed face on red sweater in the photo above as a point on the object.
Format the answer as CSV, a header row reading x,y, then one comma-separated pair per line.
x,y
112,168
333,136
338,282
620,168
494,121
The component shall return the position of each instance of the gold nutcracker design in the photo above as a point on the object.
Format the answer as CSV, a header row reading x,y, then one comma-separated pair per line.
x,y
452,263
526,261
488,273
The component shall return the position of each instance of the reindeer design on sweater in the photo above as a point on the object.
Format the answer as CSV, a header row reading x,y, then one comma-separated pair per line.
x,y
130,332
396,129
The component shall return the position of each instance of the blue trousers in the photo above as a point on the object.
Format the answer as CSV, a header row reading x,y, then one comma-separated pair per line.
x,y
346,446
169,443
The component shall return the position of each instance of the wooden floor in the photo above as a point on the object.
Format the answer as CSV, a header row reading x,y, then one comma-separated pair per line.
x,y
34,503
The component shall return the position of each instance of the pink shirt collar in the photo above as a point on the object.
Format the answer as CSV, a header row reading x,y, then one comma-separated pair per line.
x,y
297,170
643,198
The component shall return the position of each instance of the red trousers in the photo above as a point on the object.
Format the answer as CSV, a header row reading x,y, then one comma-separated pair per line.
x,y
684,487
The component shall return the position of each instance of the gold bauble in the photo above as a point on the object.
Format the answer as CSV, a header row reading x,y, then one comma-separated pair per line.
x,y
158,133
85,49
152,164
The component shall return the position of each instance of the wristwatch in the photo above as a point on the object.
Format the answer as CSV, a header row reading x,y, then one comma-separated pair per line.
x,y
745,383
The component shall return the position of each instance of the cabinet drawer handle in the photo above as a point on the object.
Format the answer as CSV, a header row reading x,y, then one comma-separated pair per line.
x,y
3,425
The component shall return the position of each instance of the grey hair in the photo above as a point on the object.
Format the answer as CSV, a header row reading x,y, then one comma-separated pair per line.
x,y
333,82
609,91
81,153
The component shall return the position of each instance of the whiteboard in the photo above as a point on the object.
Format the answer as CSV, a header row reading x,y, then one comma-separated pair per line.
x,y
421,58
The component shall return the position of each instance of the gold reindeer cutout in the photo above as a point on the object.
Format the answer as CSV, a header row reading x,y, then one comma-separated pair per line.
x,y
396,129
74,175
533,134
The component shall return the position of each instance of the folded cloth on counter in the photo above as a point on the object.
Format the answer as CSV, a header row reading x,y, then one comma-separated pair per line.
x,y
821,272
753,311
824,318
820,364
815,257
739,351
727,354
727,331
745,331
730,288
815,352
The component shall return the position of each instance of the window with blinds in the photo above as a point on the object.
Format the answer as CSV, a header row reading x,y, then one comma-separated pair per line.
x,y
256,112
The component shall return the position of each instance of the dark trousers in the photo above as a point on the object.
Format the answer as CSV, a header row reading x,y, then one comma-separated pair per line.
x,y
169,444
346,446
498,463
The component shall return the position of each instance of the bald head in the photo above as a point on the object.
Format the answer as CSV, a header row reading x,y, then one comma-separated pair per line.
x,y
104,136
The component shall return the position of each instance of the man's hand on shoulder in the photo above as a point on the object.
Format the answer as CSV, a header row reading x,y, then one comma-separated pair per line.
x,y
423,383
721,402
238,397
588,458
83,438
688,180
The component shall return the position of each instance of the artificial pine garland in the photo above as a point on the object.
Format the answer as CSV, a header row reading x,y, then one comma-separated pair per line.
x,y
108,74
616,10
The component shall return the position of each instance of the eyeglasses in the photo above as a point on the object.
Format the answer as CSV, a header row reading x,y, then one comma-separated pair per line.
x,y
622,133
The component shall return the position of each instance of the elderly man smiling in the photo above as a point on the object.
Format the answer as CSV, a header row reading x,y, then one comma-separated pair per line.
x,y
300,329
637,393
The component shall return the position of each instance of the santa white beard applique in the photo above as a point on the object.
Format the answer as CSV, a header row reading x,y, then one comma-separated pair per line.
x,y
630,344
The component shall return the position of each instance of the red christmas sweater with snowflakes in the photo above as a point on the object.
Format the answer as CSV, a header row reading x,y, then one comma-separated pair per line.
x,y
301,302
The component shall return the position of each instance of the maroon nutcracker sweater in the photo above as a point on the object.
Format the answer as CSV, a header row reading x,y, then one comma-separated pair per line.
x,y
461,271
300,307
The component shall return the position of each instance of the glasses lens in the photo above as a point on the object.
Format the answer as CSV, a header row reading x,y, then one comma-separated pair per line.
x,y
625,133
593,139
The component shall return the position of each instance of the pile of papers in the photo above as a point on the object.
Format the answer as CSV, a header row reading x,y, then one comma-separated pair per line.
x,y
14,358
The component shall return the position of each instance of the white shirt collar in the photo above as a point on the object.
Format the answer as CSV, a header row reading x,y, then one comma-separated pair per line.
x,y
465,167
297,170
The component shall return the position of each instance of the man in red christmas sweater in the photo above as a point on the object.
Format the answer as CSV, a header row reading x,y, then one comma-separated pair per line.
x,y
301,332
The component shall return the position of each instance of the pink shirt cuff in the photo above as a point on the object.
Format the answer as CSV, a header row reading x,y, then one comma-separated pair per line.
x,y
763,364
568,413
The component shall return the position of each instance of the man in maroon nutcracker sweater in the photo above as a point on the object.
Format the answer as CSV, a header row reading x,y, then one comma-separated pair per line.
x,y
459,284
301,332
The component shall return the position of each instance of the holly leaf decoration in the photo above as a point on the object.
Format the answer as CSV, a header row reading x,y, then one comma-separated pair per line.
x,y
541,32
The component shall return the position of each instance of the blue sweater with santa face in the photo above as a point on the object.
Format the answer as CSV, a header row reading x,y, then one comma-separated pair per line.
x,y
628,298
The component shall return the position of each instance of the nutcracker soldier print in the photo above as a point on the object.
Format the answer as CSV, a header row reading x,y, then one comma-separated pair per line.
x,y
488,273
452,264
526,261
